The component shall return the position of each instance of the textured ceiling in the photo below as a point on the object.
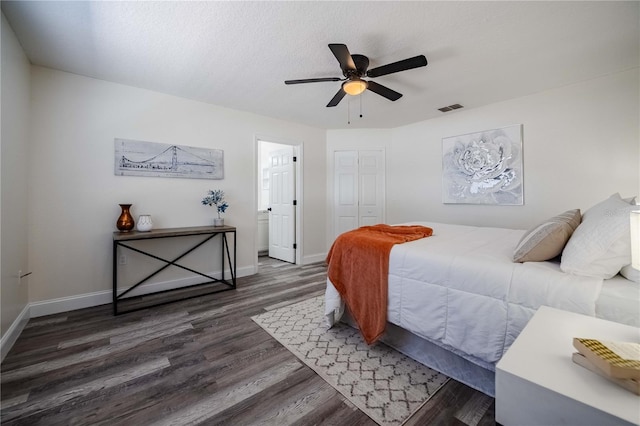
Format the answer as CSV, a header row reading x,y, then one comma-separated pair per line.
x,y
238,54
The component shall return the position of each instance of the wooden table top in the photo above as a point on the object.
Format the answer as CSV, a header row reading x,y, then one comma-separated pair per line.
x,y
171,232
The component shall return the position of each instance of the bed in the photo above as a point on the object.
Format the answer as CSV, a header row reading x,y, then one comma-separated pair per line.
x,y
457,300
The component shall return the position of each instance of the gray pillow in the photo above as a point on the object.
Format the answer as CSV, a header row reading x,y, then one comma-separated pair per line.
x,y
547,239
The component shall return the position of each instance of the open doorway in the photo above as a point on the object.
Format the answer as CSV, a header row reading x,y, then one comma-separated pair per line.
x,y
279,200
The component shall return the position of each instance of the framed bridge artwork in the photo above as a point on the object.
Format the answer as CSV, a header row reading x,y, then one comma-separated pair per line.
x,y
483,167
140,158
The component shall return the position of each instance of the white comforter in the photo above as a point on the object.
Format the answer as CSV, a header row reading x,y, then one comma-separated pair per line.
x,y
460,289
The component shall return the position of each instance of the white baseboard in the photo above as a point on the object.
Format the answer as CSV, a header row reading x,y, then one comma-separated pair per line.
x,y
88,300
70,303
12,334
313,258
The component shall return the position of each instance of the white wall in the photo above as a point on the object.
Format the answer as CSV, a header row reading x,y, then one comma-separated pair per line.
x,y
581,144
75,195
13,169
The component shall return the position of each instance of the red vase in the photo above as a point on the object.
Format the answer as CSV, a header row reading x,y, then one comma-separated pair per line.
x,y
125,222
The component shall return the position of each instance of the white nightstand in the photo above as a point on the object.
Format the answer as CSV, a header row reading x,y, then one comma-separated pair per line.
x,y
538,384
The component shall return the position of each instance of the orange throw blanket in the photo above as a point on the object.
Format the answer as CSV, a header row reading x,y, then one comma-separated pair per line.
x,y
359,270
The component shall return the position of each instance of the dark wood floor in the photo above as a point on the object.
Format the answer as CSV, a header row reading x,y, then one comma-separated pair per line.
x,y
198,361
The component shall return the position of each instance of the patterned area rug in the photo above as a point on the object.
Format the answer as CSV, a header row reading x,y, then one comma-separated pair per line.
x,y
385,384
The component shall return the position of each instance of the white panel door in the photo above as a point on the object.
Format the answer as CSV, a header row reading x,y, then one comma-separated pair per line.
x,y
371,188
358,189
282,210
345,206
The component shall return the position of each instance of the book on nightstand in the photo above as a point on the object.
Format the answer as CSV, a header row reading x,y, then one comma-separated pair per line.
x,y
629,384
617,359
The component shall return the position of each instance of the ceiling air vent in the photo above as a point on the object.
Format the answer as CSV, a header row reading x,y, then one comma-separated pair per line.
x,y
450,108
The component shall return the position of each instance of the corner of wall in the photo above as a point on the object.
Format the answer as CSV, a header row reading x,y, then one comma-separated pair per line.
x,y
14,143
12,334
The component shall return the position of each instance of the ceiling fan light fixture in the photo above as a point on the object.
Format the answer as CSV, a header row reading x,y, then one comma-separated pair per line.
x,y
354,87
354,67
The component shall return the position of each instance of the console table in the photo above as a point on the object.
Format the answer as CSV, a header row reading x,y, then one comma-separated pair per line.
x,y
123,239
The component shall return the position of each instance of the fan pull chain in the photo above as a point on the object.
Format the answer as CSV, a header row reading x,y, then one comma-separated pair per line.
x,y
348,111
360,106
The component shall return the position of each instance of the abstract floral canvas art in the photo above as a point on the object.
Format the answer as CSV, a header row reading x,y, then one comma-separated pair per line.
x,y
483,167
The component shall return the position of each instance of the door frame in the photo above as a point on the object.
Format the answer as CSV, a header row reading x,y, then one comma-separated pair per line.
x,y
298,152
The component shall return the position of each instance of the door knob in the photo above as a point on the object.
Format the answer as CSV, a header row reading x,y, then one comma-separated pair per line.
x,y
269,209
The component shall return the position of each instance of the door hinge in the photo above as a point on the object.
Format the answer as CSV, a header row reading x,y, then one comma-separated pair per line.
x,y
295,246
295,158
295,202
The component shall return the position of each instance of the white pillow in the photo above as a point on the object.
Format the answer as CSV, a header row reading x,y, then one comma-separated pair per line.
x,y
601,245
630,273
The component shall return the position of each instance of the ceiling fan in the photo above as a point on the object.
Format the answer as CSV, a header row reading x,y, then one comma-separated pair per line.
x,y
354,67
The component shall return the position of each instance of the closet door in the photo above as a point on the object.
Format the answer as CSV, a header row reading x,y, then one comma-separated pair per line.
x,y
345,192
358,189
370,188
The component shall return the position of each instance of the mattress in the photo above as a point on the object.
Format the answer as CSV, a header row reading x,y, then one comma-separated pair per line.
x,y
619,301
461,290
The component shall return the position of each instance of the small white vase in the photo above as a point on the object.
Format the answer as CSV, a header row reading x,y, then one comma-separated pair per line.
x,y
218,221
144,223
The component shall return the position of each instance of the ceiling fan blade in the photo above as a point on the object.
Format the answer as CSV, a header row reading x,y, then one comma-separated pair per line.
x,y
343,56
384,91
337,98
406,64
312,80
